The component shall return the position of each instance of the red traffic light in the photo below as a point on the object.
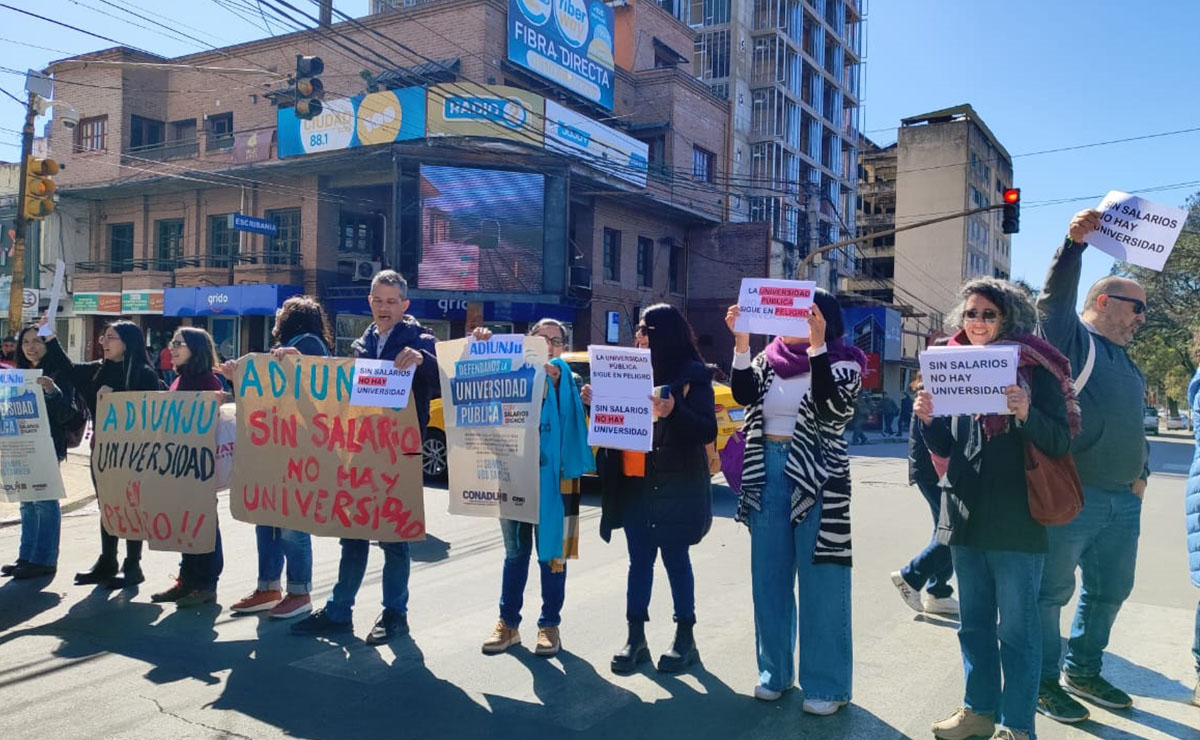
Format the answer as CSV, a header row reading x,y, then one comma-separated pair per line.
x,y
1012,195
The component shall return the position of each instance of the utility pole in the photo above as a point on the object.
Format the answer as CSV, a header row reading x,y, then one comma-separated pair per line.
x,y
17,286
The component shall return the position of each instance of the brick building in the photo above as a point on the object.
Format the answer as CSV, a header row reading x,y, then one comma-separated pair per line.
x,y
502,196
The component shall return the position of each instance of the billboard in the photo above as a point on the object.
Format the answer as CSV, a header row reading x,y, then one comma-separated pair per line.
x,y
569,42
481,230
489,111
604,148
874,330
374,118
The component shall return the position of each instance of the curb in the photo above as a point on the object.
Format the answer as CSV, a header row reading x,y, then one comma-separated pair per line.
x,y
67,505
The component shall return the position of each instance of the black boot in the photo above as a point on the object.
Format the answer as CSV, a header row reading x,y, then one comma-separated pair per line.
x,y
683,652
104,569
635,652
131,574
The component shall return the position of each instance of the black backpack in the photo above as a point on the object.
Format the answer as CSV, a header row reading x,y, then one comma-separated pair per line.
x,y
76,427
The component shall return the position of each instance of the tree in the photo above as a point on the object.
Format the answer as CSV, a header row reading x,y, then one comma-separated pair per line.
x,y
1163,346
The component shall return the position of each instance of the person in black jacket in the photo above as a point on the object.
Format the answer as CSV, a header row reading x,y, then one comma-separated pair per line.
x,y
41,520
663,499
998,548
125,367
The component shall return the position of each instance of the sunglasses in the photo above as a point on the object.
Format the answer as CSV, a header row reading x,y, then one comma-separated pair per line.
x,y
987,315
1139,306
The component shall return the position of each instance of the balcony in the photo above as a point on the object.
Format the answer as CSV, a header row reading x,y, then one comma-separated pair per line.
x,y
269,266
184,149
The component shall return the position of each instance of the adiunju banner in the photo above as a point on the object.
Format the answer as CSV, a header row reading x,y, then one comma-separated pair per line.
x,y
492,394
306,459
155,463
28,466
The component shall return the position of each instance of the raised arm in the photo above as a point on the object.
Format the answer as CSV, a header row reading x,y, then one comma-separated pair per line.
x,y
1060,293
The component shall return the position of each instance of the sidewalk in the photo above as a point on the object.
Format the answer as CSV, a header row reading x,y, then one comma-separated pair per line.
x,y
879,438
77,480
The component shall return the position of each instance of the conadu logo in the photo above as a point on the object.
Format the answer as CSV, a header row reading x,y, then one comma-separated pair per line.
x,y
571,16
537,11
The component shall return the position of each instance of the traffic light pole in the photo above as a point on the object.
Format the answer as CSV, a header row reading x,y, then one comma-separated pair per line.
x,y
16,288
847,242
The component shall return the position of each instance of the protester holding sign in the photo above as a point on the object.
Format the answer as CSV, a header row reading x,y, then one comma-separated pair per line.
x,y
41,520
125,367
194,358
1112,457
564,457
663,498
395,336
800,394
300,326
996,545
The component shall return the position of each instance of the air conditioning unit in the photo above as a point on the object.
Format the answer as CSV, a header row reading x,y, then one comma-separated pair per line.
x,y
365,270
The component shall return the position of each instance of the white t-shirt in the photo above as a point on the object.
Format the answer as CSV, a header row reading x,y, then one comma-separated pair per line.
x,y
781,404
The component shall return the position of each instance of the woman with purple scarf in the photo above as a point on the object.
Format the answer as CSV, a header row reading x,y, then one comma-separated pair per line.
x,y
795,497
996,545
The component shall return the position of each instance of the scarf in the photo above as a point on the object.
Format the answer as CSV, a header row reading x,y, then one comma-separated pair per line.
x,y
790,360
565,455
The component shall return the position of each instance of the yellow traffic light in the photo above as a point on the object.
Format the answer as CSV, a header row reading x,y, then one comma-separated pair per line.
x,y
39,188
308,87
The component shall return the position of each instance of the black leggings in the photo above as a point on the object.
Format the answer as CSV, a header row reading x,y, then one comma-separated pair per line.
x,y
108,546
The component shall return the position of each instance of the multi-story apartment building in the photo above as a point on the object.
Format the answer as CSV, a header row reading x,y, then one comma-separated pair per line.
x,y
503,188
791,70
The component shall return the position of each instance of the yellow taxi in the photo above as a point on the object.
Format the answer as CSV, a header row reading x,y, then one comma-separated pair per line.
x,y
729,418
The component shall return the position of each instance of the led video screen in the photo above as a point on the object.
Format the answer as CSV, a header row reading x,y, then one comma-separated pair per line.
x,y
481,230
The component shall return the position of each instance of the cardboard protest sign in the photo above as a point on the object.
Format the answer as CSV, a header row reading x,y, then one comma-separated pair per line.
x,y
378,383
1136,230
622,413
492,394
154,463
777,307
969,380
28,464
306,459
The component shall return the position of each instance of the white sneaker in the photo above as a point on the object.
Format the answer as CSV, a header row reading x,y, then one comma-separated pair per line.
x,y
946,606
911,597
762,693
822,708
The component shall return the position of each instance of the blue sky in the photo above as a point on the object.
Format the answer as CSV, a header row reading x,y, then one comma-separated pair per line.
x,y
1043,75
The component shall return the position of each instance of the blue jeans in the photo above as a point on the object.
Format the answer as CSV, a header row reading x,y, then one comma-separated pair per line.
x,y
274,544
352,568
1000,585
781,554
203,570
642,554
518,546
933,566
41,525
1102,542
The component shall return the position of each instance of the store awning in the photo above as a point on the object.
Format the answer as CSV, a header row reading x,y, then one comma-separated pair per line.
x,y
227,300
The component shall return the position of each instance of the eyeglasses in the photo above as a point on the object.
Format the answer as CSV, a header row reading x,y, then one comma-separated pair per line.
x,y
178,344
1139,306
554,341
987,315
109,338
643,329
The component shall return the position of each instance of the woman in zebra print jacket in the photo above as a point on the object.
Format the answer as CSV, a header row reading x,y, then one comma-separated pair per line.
x,y
795,497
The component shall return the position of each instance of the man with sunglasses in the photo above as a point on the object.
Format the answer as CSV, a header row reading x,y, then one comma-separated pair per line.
x,y
1111,455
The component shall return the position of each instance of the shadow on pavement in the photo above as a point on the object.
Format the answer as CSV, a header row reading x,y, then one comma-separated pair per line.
x,y
21,601
429,550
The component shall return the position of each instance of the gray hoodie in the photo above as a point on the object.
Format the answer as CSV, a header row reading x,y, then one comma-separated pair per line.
x,y
1110,451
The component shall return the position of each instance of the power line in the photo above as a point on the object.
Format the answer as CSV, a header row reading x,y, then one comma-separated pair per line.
x,y
23,103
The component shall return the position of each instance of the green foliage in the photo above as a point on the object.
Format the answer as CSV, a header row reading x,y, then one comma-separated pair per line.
x,y
1163,346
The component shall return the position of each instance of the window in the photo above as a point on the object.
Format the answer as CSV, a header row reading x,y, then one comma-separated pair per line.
x,y
656,155
120,246
222,241
645,262
91,135
678,264
284,248
220,131
181,139
168,238
612,255
356,234
145,133
702,164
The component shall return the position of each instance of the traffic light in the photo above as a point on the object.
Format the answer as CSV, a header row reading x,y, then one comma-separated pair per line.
x,y
1011,222
39,188
309,89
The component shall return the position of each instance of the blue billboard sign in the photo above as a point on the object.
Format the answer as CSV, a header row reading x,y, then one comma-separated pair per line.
x,y
374,118
569,42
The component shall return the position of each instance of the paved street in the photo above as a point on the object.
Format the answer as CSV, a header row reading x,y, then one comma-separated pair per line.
x,y
77,663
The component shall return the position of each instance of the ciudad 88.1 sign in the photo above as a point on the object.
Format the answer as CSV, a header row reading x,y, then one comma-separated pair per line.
x,y
569,42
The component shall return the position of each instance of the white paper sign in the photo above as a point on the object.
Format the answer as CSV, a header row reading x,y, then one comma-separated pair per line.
x,y
778,307
16,376
1136,230
28,466
55,294
622,413
379,383
969,380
